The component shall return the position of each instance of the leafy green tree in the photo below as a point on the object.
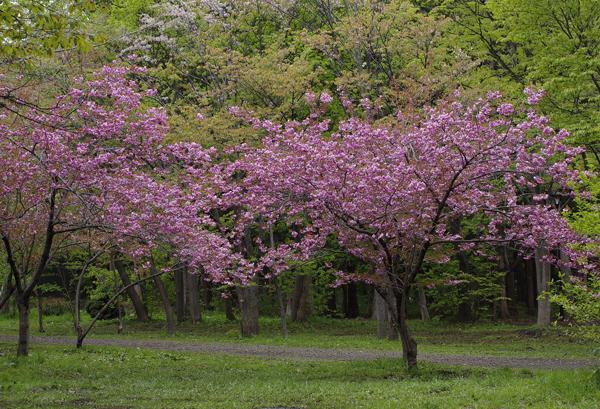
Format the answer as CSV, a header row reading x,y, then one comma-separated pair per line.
x,y
551,44
31,29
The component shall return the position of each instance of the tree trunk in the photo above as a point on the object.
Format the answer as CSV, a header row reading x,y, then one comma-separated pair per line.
x,y
543,271
164,298
303,304
331,304
566,277
40,313
423,305
206,295
5,309
381,314
179,292
194,294
24,309
394,323
133,295
281,307
352,311
229,310
296,294
112,268
409,345
503,310
245,310
288,306
531,288
253,297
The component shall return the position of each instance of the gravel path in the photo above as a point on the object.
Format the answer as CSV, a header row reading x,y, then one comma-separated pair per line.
x,y
315,353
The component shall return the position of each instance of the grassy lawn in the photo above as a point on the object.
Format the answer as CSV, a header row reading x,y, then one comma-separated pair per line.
x,y
106,377
484,339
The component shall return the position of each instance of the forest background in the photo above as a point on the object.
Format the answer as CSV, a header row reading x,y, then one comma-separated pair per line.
x,y
203,58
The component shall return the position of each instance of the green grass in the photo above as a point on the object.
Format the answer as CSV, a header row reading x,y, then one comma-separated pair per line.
x,y
483,339
106,378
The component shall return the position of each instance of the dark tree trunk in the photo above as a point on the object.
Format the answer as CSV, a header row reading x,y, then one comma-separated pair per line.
x,y
392,314
140,311
253,297
409,345
344,300
531,287
40,313
352,311
465,313
511,292
296,294
503,304
164,298
331,304
281,307
178,274
229,309
24,310
245,310
194,294
206,295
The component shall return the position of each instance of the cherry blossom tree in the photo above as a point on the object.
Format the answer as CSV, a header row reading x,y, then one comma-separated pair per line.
x,y
97,162
392,191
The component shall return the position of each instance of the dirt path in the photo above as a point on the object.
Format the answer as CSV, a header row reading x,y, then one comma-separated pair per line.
x,y
315,353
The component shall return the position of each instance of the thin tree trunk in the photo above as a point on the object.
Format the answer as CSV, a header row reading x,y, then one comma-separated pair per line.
x,y
82,334
566,277
303,304
193,292
281,307
423,305
278,291
206,295
112,267
179,293
253,297
531,288
393,320
288,306
381,314
133,295
296,294
40,312
164,298
503,303
543,271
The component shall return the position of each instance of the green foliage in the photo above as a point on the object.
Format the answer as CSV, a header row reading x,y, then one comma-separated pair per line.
x,y
581,301
93,307
39,28
56,308
549,44
477,289
580,296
